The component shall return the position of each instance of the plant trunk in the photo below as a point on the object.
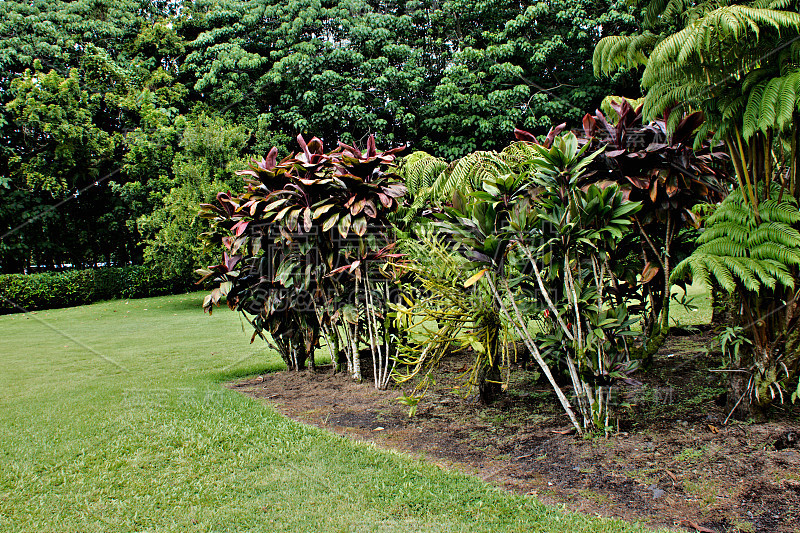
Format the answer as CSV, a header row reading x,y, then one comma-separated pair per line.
x,y
522,331
723,307
661,329
736,402
489,378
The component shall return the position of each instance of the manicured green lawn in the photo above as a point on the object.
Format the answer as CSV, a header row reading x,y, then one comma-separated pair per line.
x,y
698,311
112,418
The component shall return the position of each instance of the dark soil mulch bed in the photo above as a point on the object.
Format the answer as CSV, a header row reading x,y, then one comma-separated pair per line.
x,y
672,462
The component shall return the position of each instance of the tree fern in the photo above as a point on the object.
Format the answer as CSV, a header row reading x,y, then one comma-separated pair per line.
x,y
683,57
467,173
735,250
420,169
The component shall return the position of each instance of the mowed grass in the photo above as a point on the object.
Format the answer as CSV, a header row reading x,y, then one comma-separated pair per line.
x,y
699,308
113,418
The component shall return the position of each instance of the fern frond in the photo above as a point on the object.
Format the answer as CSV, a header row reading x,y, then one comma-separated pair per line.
x,y
518,153
787,100
717,268
732,213
420,170
769,104
778,271
618,52
467,173
654,12
736,252
723,247
759,269
774,232
684,49
754,77
741,272
777,252
693,269
666,95
732,230
751,112
732,108
674,9
774,211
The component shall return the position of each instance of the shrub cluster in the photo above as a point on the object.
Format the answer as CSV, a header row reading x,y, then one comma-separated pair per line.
x,y
47,290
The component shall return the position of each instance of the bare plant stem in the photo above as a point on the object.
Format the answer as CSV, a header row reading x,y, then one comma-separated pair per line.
x,y
544,293
522,331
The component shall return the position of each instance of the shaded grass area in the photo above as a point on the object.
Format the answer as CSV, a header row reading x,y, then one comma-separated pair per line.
x,y
699,308
112,418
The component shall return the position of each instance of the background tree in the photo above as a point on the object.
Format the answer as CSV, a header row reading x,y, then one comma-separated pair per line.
x,y
445,76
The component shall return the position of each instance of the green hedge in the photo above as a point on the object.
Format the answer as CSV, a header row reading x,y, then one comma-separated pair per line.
x,y
47,290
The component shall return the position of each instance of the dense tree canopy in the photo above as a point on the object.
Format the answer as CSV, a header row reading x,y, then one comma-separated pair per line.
x,y
99,96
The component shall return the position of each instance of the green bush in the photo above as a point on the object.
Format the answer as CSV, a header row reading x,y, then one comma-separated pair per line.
x,y
47,290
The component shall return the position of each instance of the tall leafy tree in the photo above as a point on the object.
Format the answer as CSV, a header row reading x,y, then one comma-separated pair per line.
x,y
75,79
519,65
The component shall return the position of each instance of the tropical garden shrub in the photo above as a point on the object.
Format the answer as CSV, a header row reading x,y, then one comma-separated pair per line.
x,y
540,243
305,253
663,171
738,63
649,164
441,310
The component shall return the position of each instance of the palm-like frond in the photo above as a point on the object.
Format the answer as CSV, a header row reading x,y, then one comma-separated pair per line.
x,y
774,232
467,173
733,230
622,51
774,211
665,11
735,250
664,95
771,104
420,170
519,153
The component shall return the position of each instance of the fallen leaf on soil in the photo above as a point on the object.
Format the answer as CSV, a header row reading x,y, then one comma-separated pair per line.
x,y
699,528
671,475
565,432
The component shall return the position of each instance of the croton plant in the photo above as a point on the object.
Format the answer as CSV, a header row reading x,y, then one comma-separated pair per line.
x,y
670,177
305,245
